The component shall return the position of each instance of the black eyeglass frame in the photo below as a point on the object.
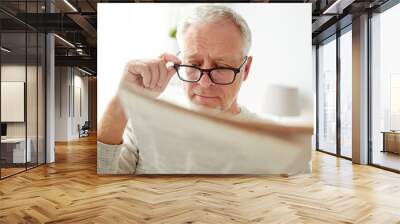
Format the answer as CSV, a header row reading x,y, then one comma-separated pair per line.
x,y
208,71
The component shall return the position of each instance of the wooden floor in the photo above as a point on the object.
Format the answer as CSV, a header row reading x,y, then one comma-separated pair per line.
x,y
387,159
5,172
10,171
70,191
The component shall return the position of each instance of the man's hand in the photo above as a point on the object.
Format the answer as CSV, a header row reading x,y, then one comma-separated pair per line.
x,y
151,74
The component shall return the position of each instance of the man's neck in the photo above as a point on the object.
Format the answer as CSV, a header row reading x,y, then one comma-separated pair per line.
x,y
234,109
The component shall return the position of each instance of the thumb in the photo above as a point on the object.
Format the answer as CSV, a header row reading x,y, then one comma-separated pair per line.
x,y
170,71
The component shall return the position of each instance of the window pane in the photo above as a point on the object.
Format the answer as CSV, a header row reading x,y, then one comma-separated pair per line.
x,y
31,100
14,146
23,87
327,97
385,88
346,94
395,102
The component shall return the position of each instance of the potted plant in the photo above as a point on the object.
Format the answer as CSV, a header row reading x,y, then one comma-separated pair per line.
x,y
173,41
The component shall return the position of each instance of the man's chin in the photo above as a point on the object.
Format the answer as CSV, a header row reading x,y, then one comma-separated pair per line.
x,y
206,109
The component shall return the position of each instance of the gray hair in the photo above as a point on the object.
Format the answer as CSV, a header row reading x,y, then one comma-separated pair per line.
x,y
214,13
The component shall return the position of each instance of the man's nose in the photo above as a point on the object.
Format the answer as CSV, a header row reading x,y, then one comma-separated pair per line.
x,y
205,80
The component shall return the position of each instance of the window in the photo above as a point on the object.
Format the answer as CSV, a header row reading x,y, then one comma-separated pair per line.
x,y
395,102
327,96
385,89
22,75
346,93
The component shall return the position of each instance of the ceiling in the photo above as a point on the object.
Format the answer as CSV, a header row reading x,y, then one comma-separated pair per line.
x,y
76,22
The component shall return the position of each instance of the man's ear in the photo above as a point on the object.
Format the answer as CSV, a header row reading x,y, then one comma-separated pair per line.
x,y
247,67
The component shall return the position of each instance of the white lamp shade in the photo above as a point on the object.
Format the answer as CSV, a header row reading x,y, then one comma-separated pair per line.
x,y
281,101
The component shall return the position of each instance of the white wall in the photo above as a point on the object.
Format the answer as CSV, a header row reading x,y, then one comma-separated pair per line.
x,y
281,46
15,72
282,53
12,100
80,118
67,80
61,103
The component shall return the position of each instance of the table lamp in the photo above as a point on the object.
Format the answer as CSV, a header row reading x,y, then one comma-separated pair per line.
x,y
281,101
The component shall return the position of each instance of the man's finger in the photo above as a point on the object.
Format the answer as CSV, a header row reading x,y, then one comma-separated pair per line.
x,y
170,72
155,75
166,57
163,75
142,70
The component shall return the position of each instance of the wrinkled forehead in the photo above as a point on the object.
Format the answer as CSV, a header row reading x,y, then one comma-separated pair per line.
x,y
213,40
226,59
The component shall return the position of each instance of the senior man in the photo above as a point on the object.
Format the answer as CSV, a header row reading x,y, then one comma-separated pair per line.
x,y
213,64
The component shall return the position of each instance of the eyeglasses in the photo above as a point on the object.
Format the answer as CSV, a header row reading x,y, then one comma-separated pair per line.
x,y
218,75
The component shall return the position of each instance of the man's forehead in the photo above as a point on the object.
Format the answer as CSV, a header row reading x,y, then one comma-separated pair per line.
x,y
188,54
225,44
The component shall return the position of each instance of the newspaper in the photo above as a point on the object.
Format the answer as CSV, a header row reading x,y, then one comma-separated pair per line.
x,y
176,140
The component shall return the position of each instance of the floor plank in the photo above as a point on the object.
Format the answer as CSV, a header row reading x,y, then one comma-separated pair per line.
x,y
70,191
